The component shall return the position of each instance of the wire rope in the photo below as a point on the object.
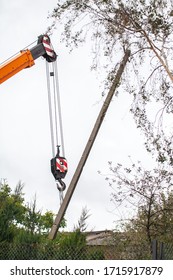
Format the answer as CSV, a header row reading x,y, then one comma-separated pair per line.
x,y
59,108
61,197
55,115
50,109
17,53
55,106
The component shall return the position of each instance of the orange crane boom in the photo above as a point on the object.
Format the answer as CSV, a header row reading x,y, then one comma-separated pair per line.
x,y
26,58
12,67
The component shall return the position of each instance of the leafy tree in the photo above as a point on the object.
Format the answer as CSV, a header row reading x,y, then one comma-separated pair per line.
x,y
73,245
12,210
145,27
149,194
32,218
82,225
161,222
35,222
23,231
21,222
46,221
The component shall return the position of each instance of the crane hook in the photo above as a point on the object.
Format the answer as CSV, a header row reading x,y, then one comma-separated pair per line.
x,y
61,186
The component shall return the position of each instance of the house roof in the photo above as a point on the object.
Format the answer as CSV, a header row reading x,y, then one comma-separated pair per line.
x,y
103,237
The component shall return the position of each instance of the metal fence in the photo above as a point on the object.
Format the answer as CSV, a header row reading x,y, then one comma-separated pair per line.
x,y
162,251
47,252
54,252
118,251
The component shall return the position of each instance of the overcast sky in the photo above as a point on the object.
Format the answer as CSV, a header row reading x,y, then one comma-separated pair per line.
x,y
25,146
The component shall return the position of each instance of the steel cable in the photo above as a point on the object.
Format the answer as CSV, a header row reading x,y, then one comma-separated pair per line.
x,y
50,109
55,110
59,108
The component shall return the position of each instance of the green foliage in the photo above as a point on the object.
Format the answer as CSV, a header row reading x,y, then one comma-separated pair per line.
x,y
12,210
149,193
144,27
131,245
81,225
51,250
24,230
112,24
161,221
23,236
72,246
20,222
35,222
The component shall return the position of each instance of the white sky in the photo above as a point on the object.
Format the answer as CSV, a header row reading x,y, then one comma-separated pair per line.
x,y
25,146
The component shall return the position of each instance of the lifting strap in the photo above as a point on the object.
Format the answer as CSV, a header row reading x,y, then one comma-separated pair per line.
x,y
58,163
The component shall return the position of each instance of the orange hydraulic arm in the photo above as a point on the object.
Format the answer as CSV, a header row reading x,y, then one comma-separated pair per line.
x,y
26,58
21,61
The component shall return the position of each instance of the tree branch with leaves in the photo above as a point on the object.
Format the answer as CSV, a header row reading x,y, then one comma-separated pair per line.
x,y
146,27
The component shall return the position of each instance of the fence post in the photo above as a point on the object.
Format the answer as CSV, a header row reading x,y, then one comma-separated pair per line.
x,y
154,245
161,251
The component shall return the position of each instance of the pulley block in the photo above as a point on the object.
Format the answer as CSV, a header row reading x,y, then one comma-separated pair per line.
x,y
59,167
